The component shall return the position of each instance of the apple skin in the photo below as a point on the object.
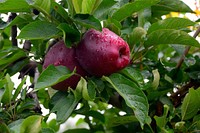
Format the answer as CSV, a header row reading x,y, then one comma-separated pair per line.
x,y
59,54
102,53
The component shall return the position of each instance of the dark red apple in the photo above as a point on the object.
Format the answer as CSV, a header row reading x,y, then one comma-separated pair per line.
x,y
102,53
59,54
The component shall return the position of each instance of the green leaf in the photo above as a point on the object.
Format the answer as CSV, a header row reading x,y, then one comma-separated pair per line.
x,y
84,6
156,79
32,124
162,120
193,70
52,75
28,104
4,128
84,109
63,104
15,126
59,10
14,6
80,130
70,5
120,120
171,23
152,95
97,115
44,97
10,55
23,93
196,120
96,5
47,130
113,25
171,6
39,47
133,96
130,8
83,84
89,92
78,92
164,7
144,16
180,126
9,86
53,125
169,36
191,104
38,30
70,34
133,74
19,88
16,67
2,90
41,5
88,21
19,20
103,9
87,6
77,4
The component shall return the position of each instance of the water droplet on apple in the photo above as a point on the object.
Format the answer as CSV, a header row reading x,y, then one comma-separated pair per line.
x,y
58,62
111,59
91,37
97,35
97,41
60,49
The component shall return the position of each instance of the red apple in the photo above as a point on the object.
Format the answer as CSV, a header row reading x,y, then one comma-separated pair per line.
x,y
59,54
102,53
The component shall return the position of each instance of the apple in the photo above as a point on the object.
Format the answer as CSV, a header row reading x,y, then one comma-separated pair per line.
x,y
59,54
102,53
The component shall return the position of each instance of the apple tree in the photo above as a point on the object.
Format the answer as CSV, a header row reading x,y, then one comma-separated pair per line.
x,y
122,65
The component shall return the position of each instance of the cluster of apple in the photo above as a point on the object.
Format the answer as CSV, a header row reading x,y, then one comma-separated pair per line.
x,y
97,54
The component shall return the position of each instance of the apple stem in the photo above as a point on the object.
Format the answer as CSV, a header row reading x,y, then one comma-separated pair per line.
x,y
136,52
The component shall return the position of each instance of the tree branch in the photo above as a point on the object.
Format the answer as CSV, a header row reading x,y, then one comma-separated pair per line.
x,y
180,62
178,95
29,69
27,45
115,101
13,30
37,107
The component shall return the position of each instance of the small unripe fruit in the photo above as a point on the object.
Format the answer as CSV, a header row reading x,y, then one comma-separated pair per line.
x,y
137,35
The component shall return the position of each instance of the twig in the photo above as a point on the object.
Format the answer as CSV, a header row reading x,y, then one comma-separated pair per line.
x,y
27,45
116,101
178,95
29,69
37,107
13,30
180,62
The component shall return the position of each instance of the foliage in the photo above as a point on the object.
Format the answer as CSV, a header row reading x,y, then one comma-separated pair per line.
x,y
157,92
